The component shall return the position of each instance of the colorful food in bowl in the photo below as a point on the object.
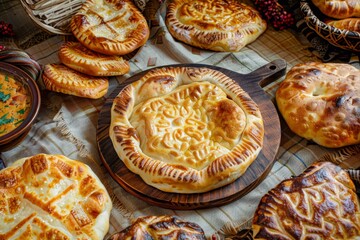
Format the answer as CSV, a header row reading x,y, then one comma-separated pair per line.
x,y
19,104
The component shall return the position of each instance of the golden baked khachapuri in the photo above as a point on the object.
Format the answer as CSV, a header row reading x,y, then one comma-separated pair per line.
x,y
339,9
321,203
186,130
218,25
52,197
113,27
76,56
321,102
161,227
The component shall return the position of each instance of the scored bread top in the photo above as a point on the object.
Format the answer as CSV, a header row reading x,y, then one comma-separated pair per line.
x,y
216,25
78,57
186,130
320,203
113,27
52,197
339,9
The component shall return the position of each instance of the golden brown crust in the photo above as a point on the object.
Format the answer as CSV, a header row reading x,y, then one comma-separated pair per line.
x,y
350,24
40,196
60,78
216,25
339,9
185,129
113,27
321,102
160,227
78,57
321,203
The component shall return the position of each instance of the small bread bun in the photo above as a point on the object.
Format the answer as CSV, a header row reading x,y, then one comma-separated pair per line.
x,y
78,57
350,24
60,78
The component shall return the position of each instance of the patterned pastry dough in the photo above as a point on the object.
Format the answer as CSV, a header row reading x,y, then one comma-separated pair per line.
x,y
186,130
216,25
52,197
161,227
339,9
76,56
113,27
319,204
350,24
321,102
60,78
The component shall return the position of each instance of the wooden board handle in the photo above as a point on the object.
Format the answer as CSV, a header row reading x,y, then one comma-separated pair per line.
x,y
267,73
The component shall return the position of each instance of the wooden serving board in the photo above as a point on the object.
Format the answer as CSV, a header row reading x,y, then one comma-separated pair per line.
x,y
257,171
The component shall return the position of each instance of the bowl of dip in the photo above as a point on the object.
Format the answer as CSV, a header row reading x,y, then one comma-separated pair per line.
x,y
19,104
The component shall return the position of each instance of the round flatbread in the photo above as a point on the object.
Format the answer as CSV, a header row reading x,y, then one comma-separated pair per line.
x,y
60,78
76,56
339,9
113,27
52,197
321,102
216,25
186,130
321,203
160,227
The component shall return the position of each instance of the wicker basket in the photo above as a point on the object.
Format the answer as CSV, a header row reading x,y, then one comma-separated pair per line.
x,y
343,39
52,15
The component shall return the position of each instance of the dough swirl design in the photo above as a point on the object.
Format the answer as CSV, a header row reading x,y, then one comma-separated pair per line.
x,y
186,129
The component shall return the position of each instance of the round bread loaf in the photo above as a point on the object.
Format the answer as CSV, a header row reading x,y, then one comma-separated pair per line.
x,y
339,9
78,57
60,78
350,24
321,102
52,197
216,25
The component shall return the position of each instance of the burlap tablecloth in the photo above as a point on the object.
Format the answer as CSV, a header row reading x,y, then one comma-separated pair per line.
x,y
67,125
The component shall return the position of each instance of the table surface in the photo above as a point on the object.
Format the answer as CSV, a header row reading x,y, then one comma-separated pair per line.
x,y
67,125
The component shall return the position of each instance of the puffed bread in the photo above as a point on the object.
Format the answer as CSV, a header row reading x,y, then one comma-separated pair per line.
x,y
320,203
350,24
113,27
52,197
339,9
78,57
321,102
160,227
186,130
60,78
217,25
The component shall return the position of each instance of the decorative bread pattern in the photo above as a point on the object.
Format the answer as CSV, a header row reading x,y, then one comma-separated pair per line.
x,y
186,129
216,25
321,203
160,227
76,56
339,9
321,102
350,24
52,197
113,27
60,78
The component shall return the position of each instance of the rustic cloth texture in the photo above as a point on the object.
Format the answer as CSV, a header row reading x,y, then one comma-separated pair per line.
x,y
67,124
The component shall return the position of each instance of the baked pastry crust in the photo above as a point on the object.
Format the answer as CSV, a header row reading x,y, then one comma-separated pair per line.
x,y
321,203
216,25
78,57
113,27
52,197
321,102
350,24
160,227
185,129
339,9
60,78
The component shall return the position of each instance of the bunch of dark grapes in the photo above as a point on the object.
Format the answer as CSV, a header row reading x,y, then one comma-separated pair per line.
x,y
275,14
6,29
